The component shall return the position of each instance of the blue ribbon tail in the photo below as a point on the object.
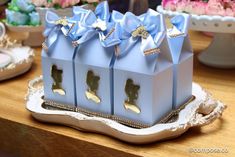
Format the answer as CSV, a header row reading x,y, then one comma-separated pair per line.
x,y
159,37
52,38
181,22
125,46
88,35
148,44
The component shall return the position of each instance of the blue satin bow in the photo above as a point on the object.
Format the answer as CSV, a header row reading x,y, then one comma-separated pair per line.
x,y
96,22
181,22
70,30
151,21
52,28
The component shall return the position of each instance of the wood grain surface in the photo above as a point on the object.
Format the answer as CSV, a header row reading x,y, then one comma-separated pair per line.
x,y
21,135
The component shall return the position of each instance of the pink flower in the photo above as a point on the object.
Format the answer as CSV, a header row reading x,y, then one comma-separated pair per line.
x,y
229,12
62,3
68,3
180,7
215,7
92,1
170,4
199,8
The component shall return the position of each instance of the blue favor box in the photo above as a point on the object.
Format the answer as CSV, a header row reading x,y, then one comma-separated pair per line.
x,y
58,71
143,83
57,59
125,66
93,65
94,60
182,55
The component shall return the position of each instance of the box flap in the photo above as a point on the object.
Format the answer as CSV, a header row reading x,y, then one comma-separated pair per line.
x,y
62,49
93,53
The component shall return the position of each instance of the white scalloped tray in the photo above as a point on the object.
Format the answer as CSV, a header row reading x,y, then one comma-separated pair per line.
x,y
216,24
202,111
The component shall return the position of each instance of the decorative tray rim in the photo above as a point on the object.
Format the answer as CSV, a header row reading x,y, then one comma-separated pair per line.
x,y
188,117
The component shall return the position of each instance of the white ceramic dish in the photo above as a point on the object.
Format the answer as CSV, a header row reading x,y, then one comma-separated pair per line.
x,y
202,111
21,62
220,53
34,37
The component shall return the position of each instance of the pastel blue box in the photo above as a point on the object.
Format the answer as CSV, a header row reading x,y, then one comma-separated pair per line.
x,y
59,59
91,56
182,55
154,76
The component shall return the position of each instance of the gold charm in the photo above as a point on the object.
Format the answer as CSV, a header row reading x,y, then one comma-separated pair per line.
x,y
140,32
56,74
99,24
63,21
92,82
132,95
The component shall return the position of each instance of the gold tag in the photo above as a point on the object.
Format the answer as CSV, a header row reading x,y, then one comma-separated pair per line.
x,y
62,21
57,77
44,46
110,32
176,35
140,32
132,92
92,82
70,29
151,51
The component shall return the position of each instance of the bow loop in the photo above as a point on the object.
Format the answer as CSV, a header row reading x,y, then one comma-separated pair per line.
x,y
53,26
148,27
50,19
78,11
102,11
70,30
97,22
116,16
130,22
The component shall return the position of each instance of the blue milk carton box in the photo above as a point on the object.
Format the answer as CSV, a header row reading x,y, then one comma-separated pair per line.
x,y
94,60
182,56
57,60
143,70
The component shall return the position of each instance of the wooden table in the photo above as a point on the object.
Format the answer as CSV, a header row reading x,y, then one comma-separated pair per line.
x,y
21,135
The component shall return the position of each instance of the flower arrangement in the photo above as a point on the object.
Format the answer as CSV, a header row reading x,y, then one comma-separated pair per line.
x,y
201,7
61,3
22,12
